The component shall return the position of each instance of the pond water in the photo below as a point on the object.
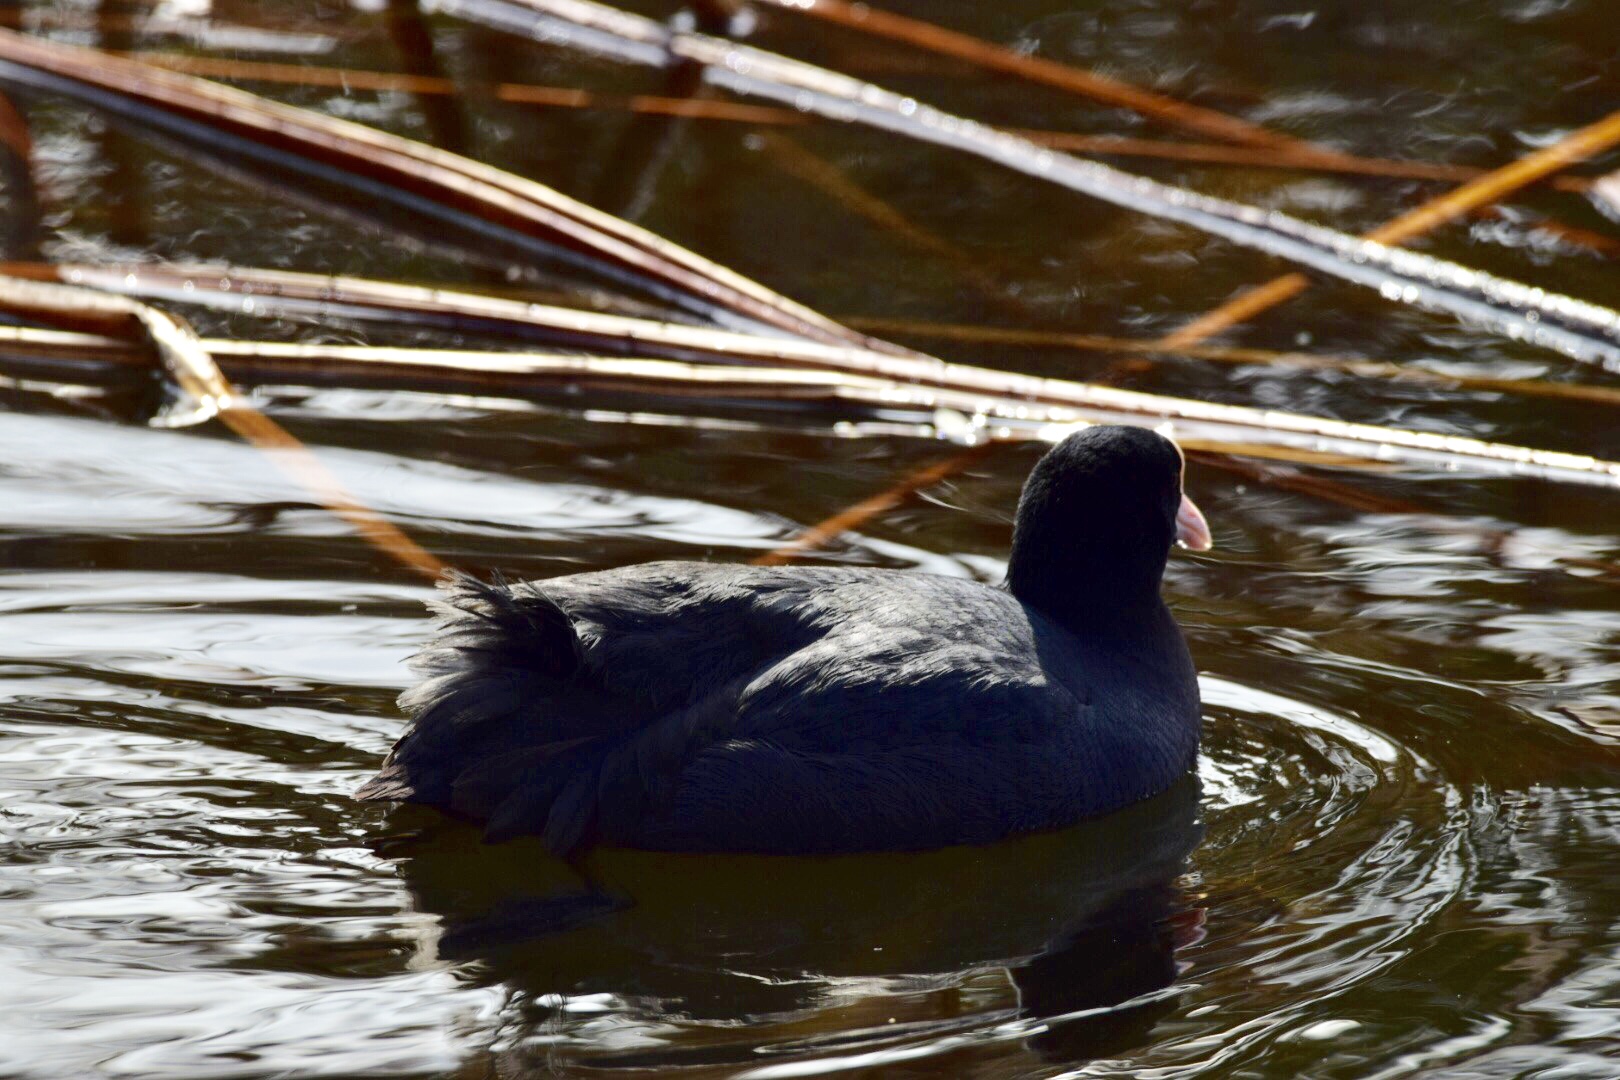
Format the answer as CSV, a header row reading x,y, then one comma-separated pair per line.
x,y
1398,858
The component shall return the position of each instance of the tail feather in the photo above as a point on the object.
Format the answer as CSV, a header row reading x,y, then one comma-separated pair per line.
x,y
510,730
391,784
500,648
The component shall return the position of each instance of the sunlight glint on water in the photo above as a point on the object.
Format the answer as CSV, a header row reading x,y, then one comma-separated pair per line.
x,y
1399,858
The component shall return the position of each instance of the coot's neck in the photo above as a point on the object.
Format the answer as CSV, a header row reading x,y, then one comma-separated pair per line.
x,y
1085,580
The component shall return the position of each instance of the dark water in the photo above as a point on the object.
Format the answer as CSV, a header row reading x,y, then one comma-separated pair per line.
x,y
1399,859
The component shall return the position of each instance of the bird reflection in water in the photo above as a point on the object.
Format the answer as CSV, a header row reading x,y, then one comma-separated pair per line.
x,y
1085,923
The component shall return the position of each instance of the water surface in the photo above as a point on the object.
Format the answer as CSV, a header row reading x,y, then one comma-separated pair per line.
x,y
1397,858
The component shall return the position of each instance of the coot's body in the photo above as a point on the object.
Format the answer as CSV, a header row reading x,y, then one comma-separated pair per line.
x,y
690,706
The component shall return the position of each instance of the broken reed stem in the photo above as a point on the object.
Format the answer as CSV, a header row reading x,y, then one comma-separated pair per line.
x,y
853,517
333,363
1280,147
816,171
1583,331
330,362
561,97
1358,366
278,359
523,208
14,133
515,372
1482,191
202,31
992,57
22,218
1497,184
1293,155
985,398
1088,84
193,370
303,466
1287,478
1271,157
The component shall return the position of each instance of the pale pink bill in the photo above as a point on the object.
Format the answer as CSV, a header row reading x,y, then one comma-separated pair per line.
x,y
1192,531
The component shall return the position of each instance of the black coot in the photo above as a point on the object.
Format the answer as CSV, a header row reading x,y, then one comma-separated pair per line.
x,y
697,707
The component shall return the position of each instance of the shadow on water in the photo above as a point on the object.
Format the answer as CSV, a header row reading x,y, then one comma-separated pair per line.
x,y
1084,923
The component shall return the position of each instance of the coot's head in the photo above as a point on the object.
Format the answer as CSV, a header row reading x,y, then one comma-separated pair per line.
x,y
1096,521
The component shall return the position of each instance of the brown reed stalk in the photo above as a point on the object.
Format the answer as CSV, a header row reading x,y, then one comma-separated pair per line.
x,y
193,371
1358,366
520,373
1270,157
816,171
209,31
1575,147
1583,331
1477,193
1281,148
937,39
524,206
517,374
853,517
999,392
